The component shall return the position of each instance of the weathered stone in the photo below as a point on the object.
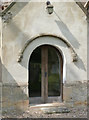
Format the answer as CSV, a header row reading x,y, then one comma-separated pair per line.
x,y
75,92
52,110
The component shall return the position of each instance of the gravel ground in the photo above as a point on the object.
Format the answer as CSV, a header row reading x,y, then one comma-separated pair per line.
x,y
74,113
36,112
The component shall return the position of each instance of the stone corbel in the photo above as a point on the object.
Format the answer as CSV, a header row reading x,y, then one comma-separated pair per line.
x,y
7,17
74,55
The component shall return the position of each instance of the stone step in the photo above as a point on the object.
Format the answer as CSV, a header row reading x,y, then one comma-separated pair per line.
x,y
52,110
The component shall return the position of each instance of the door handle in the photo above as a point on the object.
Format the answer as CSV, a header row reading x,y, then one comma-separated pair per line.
x,y
45,74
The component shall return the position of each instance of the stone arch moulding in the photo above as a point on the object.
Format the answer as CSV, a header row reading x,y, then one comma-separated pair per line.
x,y
74,54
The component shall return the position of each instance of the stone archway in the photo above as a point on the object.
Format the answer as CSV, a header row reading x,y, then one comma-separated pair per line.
x,y
74,54
45,40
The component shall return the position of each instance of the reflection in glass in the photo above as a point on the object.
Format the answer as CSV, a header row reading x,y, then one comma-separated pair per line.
x,y
35,73
53,72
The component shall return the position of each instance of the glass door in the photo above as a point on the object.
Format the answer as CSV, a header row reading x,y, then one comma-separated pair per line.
x,y
45,76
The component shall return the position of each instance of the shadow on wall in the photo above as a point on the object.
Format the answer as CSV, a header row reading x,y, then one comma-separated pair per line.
x,y
18,7
80,64
15,31
88,66
75,75
69,36
0,85
14,100
88,49
66,32
0,71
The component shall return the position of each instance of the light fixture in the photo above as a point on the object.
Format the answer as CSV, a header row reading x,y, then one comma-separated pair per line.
x,y
49,7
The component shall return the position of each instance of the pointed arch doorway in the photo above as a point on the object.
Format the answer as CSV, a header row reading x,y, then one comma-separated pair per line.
x,y
45,75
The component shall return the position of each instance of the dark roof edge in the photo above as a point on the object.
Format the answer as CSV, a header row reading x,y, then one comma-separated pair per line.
x,y
7,9
83,8
78,3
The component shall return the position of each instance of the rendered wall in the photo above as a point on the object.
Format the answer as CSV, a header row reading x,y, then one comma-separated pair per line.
x,y
30,20
0,66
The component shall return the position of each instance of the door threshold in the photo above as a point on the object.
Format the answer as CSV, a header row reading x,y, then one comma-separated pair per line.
x,y
56,104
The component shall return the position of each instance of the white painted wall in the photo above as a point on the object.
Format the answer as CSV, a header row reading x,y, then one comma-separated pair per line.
x,y
30,20
0,49
0,34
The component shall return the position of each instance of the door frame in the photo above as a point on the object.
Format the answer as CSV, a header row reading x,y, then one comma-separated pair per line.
x,y
61,84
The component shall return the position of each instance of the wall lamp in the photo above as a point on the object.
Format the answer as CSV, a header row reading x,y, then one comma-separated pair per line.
x,y
49,7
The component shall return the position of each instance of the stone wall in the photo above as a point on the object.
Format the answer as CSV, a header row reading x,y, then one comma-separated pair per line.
x,y
13,97
75,94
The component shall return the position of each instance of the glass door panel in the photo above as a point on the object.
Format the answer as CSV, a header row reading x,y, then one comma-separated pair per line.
x,y
35,73
53,72
45,74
